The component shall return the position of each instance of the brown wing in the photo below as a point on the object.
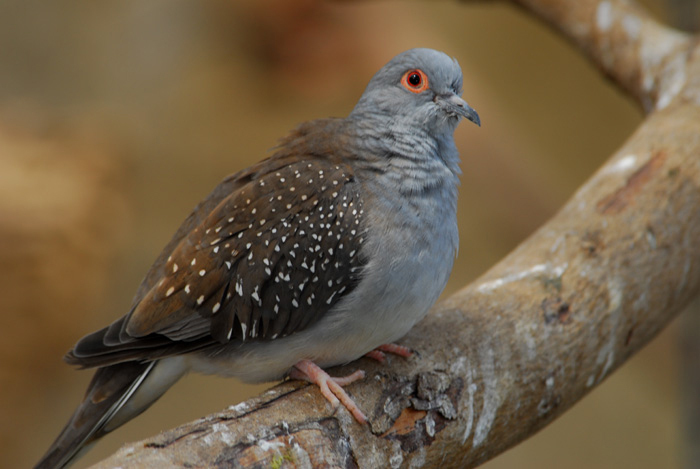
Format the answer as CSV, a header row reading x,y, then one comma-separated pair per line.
x,y
269,259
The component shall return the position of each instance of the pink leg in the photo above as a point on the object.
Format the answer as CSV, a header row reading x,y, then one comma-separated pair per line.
x,y
396,349
378,353
330,387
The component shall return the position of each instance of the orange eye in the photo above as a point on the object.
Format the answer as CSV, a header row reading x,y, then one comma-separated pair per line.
x,y
415,81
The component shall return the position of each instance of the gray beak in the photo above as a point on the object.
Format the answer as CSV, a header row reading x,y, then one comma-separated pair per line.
x,y
456,105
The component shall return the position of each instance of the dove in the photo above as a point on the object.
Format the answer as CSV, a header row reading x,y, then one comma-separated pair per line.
x,y
330,249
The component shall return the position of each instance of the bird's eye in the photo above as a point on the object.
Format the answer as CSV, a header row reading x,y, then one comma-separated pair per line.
x,y
415,81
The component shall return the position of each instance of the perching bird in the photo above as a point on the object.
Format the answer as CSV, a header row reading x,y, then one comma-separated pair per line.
x,y
332,247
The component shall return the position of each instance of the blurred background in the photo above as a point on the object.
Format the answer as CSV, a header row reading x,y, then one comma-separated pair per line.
x,y
117,117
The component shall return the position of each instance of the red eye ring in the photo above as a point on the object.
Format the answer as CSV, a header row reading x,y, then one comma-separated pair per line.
x,y
415,81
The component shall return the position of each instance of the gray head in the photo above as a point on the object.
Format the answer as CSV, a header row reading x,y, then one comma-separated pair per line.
x,y
419,87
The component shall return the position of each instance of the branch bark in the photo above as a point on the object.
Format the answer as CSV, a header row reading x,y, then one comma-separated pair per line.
x,y
509,353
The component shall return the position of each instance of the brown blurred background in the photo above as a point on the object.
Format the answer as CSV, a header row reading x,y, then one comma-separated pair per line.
x,y
116,117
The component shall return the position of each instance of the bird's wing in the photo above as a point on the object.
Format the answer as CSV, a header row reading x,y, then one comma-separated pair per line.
x,y
278,249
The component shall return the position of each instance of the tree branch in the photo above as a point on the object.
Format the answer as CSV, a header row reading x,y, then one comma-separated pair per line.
x,y
645,58
509,353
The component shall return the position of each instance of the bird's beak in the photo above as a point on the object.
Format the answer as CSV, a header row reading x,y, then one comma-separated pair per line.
x,y
456,105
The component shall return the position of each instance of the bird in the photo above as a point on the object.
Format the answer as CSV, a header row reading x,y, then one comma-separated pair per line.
x,y
330,249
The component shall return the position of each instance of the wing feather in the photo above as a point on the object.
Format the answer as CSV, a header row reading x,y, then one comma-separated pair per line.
x,y
273,255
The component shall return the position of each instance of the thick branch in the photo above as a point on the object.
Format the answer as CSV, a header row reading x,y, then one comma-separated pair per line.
x,y
507,354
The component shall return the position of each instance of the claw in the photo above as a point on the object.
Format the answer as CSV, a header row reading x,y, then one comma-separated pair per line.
x,y
394,349
376,355
330,387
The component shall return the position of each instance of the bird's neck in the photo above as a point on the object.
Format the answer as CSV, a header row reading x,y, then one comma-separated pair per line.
x,y
409,158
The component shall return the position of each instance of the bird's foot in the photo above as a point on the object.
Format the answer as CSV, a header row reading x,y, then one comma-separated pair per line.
x,y
395,349
330,387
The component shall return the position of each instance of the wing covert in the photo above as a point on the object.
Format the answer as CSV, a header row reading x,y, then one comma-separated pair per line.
x,y
269,260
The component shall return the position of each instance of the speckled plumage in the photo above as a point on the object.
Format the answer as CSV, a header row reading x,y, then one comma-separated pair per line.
x,y
336,244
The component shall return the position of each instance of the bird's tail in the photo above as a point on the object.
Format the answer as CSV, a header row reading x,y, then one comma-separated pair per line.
x,y
116,394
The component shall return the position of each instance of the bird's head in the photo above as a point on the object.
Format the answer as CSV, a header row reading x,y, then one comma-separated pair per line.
x,y
419,87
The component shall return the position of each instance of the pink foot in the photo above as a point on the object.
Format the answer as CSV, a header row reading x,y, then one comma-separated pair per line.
x,y
330,387
378,353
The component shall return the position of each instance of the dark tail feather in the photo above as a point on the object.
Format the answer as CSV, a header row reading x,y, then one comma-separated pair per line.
x,y
110,388
107,347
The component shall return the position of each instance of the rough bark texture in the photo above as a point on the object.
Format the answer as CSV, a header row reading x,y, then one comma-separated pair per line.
x,y
507,354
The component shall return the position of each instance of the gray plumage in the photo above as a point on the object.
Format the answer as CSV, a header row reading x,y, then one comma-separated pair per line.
x,y
338,243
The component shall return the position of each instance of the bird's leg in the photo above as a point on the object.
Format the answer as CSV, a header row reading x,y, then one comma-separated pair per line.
x,y
378,353
330,387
